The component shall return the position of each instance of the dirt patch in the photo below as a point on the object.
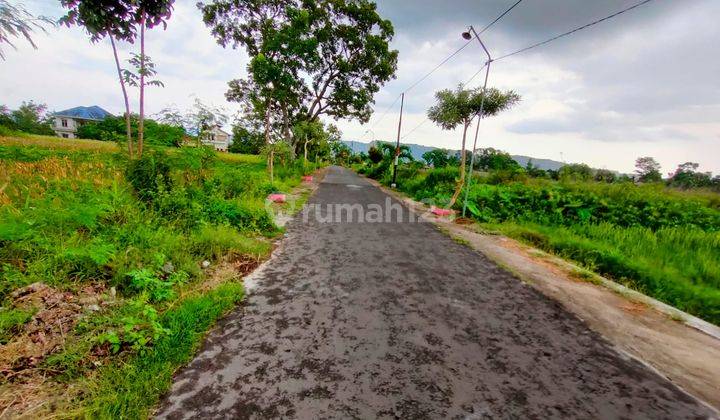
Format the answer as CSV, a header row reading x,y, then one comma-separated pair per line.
x,y
56,314
24,386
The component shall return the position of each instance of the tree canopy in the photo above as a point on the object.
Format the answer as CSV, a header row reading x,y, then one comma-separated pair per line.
x,y
460,107
438,158
489,159
30,117
648,169
327,57
117,18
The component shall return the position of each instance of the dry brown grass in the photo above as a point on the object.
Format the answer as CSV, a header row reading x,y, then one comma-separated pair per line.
x,y
59,143
22,180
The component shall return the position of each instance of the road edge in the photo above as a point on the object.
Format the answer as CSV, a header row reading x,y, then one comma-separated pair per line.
x,y
681,379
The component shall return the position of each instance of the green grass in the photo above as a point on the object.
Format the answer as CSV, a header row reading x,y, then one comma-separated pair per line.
x,y
131,388
10,320
679,266
75,213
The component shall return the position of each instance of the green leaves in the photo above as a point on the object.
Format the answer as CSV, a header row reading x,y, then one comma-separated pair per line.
x,y
136,330
143,67
327,57
460,106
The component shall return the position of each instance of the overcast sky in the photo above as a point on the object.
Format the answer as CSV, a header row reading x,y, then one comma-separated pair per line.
x,y
644,83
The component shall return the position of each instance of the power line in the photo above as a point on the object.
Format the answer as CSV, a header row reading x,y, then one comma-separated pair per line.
x,y
427,119
499,17
437,67
453,54
384,113
417,82
573,31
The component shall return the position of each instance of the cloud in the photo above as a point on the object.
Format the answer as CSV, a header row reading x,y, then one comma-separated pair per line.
x,y
647,77
67,70
644,83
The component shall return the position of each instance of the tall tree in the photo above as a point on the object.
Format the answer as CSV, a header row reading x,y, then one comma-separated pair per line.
x,y
307,132
687,176
16,22
459,107
118,20
327,57
30,117
647,169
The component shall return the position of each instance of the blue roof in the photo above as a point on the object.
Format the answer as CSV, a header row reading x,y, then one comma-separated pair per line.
x,y
85,112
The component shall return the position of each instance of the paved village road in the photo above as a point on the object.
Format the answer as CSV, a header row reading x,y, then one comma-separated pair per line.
x,y
395,320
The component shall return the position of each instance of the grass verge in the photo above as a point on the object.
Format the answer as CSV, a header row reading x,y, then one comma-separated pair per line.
x,y
131,388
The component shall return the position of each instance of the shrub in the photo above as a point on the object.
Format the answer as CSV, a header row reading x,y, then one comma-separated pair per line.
x,y
148,175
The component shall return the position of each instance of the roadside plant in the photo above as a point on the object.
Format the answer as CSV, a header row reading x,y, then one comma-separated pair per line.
x,y
459,107
136,331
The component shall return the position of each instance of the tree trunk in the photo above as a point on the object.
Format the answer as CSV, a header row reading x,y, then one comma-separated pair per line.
x,y
128,127
305,147
286,123
271,155
461,181
141,119
272,164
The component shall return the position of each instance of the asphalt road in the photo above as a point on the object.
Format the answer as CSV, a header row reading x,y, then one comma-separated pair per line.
x,y
395,320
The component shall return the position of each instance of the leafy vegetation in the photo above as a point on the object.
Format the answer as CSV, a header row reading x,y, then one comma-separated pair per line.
x,y
460,107
113,129
30,117
652,237
141,233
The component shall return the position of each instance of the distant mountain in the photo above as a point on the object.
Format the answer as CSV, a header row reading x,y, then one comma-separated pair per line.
x,y
417,151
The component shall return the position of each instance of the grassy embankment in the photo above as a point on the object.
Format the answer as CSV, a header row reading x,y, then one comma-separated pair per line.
x,y
119,250
660,241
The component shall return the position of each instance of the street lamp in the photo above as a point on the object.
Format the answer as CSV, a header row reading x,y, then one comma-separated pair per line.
x,y
468,35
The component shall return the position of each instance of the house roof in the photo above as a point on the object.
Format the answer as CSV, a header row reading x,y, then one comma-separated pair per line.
x,y
85,112
217,128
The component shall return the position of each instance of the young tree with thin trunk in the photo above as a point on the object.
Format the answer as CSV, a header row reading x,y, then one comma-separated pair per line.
x,y
459,107
324,57
118,20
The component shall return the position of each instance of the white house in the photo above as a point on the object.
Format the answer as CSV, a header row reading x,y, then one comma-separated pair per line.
x,y
67,121
217,138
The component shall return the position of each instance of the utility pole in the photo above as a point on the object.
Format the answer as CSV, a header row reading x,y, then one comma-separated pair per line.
x,y
397,145
467,36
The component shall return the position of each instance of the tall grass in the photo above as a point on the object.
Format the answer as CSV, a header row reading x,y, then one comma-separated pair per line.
x,y
679,266
75,213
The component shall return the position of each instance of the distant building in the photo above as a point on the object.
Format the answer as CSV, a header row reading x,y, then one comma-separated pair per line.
x,y
217,138
67,122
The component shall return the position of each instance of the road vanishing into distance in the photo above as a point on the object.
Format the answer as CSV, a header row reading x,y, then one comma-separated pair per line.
x,y
353,319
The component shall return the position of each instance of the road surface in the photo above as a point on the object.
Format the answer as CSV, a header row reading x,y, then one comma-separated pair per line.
x,y
369,319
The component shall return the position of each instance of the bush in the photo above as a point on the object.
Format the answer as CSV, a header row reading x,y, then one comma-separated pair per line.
x,y
148,175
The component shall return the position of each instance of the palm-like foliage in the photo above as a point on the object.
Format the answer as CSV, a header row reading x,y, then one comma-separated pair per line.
x,y
460,106
16,22
388,151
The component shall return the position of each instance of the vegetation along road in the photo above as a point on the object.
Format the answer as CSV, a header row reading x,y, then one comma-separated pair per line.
x,y
352,319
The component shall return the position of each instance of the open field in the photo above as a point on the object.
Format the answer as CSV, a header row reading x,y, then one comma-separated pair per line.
x,y
111,271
